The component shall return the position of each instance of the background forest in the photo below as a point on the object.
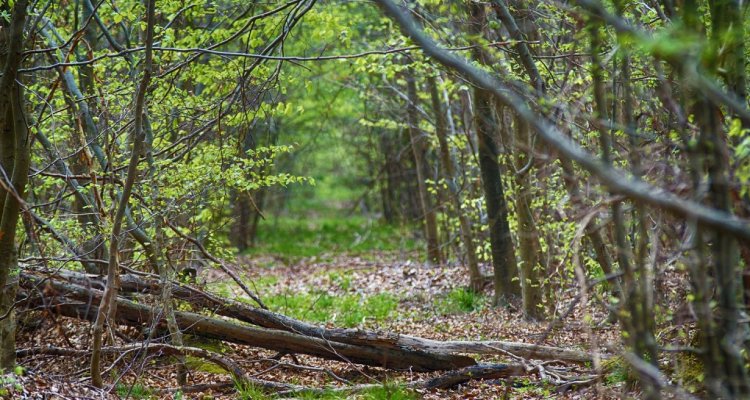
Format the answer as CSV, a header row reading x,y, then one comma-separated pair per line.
x,y
374,199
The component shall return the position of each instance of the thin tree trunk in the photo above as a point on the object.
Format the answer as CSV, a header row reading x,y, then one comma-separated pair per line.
x,y
15,160
449,174
92,138
526,59
507,285
419,149
528,235
635,317
165,272
107,306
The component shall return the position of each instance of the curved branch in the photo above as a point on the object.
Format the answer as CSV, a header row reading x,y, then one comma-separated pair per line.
x,y
615,179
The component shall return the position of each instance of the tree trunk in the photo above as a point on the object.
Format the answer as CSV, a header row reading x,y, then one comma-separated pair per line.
x,y
467,236
375,351
108,305
528,235
526,59
15,159
419,149
507,285
242,204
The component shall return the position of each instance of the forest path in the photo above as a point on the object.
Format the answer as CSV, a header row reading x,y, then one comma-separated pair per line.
x,y
374,290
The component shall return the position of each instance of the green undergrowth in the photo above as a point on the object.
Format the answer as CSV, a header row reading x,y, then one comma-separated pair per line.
x,y
387,391
461,300
344,310
528,388
616,371
199,364
307,237
133,391
213,345
9,383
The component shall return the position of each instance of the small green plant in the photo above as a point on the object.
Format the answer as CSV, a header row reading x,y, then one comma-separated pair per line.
x,y
199,364
248,391
461,300
689,372
528,387
343,280
389,391
134,391
326,395
9,384
616,371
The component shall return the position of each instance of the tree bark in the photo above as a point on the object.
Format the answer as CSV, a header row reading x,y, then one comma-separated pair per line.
x,y
528,235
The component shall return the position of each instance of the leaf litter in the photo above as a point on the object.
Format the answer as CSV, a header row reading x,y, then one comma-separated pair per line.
x,y
423,309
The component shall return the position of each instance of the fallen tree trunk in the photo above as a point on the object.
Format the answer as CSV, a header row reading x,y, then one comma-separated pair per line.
x,y
497,347
77,301
268,319
222,361
445,381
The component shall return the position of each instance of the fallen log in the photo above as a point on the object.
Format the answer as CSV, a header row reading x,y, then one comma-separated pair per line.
x,y
222,361
445,381
269,319
76,301
496,347
474,372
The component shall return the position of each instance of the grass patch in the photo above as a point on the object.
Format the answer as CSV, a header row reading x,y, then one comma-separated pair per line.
x,y
461,300
134,391
213,345
326,395
341,279
248,391
525,388
301,237
389,391
199,364
348,310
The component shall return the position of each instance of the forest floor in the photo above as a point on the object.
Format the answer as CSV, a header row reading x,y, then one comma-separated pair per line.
x,y
377,287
